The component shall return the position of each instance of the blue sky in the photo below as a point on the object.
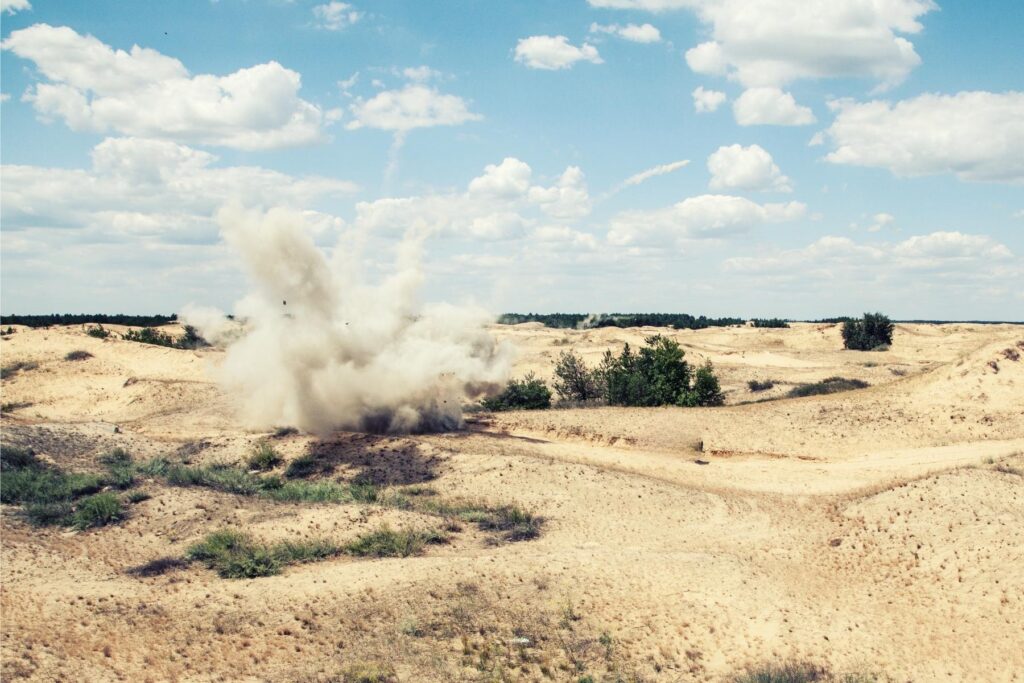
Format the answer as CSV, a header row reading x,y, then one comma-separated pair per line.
x,y
841,155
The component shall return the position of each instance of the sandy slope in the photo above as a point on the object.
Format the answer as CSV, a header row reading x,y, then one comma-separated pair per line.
x,y
872,530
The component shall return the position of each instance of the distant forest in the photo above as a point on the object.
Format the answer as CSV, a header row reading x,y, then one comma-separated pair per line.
x,y
91,318
680,321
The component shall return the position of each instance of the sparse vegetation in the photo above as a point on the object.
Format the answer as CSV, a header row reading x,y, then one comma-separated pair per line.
x,y
99,332
830,385
263,457
529,393
514,523
304,466
760,385
368,672
236,555
12,369
77,355
388,542
149,335
873,332
798,672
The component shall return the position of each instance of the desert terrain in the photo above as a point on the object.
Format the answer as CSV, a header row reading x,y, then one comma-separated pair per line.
x,y
877,532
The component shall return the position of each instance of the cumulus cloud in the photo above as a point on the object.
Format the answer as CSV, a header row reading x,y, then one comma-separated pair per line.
x,y
502,203
93,87
636,33
553,52
979,136
334,16
770,106
774,42
707,101
414,106
880,221
745,168
12,6
707,216
139,188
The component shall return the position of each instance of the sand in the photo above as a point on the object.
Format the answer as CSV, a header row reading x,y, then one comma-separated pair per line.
x,y
877,531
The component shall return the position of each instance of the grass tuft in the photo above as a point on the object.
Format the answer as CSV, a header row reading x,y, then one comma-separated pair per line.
x,y
263,458
235,555
78,355
387,542
14,368
98,510
760,385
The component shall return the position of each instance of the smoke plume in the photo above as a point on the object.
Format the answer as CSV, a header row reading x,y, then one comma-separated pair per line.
x,y
320,349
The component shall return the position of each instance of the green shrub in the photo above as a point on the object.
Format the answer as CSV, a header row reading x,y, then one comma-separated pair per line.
x,y
149,335
77,355
300,552
98,332
98,510
830,385
758,385
872,332
386,542
263,457
705,390
530,393
574,380
15,457
121,468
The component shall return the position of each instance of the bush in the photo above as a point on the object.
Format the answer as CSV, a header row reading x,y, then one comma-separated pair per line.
x,y
830,385
575,382
657,375
263,457
99,510
872,332
529,393
98,332
386,542
77,355
148,335
758,385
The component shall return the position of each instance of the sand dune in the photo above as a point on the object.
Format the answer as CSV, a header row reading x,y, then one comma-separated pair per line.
x,y
878,530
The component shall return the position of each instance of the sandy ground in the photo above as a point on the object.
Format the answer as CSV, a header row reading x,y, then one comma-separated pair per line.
x,y
877,531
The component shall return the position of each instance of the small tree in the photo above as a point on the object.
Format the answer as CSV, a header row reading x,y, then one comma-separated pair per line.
x,y
872,331
574,380
705,391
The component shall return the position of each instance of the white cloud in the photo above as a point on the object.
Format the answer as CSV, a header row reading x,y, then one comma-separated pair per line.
x,y
979,136
880,221
636,33
414,106
558,236
707,101
745,168
829,256
147,189
501,203
420,74
704,217
775,42
649,173
12,6
93,87
770,106
553,52
4,97
335,16
1019,214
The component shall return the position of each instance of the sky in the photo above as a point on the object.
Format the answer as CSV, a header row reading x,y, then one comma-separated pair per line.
x,y
751,158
